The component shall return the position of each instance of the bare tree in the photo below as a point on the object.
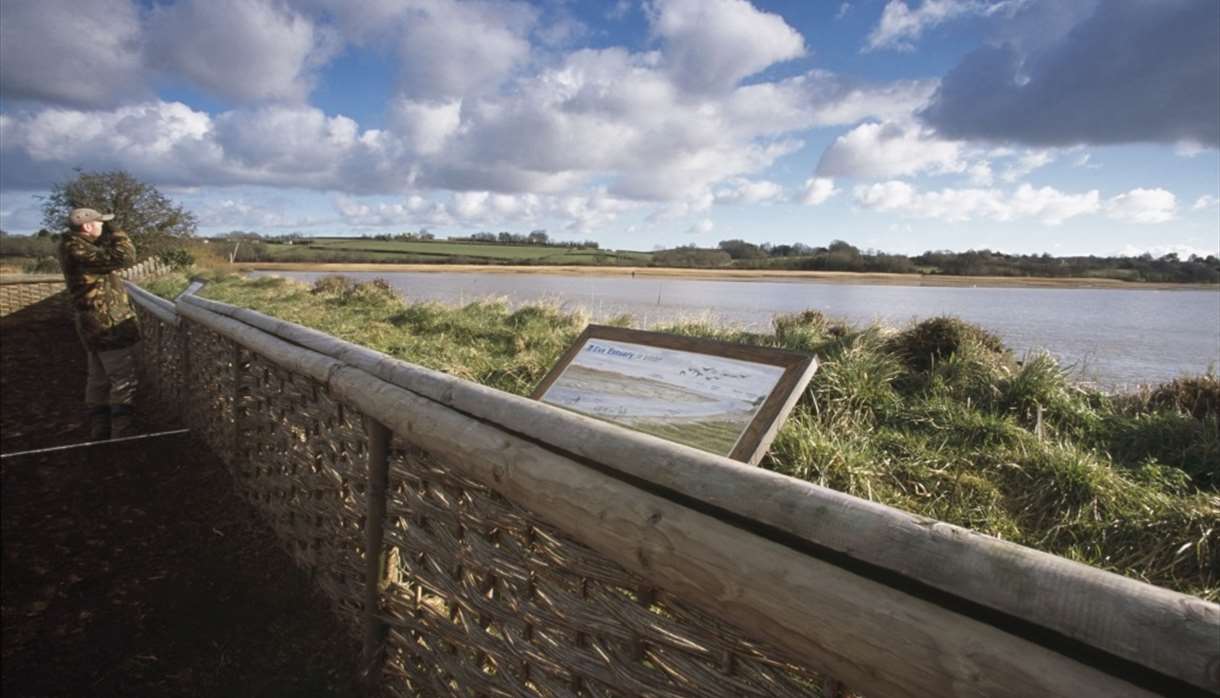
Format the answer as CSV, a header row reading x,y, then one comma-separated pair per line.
x,y
154,223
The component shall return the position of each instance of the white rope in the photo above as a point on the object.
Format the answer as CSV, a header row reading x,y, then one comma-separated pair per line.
x,y
87,444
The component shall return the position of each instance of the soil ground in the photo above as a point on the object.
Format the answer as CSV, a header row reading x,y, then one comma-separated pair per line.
x,y
136,569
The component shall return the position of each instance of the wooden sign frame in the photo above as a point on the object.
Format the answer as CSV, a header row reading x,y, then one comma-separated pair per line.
x,y
753,441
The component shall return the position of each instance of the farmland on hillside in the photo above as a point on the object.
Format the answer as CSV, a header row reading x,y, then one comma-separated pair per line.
x,y
408,251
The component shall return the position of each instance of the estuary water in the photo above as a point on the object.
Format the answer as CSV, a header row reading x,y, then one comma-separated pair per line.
x,y
1114,338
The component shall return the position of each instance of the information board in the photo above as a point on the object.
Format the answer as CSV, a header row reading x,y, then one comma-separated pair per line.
x,y
725,398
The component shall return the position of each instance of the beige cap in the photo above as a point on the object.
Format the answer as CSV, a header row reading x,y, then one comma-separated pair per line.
x,y
81,216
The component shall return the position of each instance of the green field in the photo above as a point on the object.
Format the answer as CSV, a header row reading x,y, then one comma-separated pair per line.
x,y
407,252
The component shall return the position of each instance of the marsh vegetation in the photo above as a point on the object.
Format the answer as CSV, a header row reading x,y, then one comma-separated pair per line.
x,y
936,418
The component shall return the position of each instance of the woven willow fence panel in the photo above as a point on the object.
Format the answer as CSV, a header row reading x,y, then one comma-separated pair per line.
x,y
478,596
302,462
485,599
161,360
210,370
18,295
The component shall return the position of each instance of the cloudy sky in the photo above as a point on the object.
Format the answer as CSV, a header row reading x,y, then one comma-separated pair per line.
x,y
1021,125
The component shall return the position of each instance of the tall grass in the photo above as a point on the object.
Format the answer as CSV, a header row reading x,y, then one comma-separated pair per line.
x,y
937,419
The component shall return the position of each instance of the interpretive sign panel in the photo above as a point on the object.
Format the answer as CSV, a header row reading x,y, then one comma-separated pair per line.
x,y
721,397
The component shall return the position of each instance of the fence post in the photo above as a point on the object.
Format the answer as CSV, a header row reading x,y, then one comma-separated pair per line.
x,y
374,532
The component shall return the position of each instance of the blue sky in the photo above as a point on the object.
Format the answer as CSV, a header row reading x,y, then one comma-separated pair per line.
x,y
1019,125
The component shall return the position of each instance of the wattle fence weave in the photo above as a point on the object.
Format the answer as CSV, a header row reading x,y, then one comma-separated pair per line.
x,y
477,543
20,291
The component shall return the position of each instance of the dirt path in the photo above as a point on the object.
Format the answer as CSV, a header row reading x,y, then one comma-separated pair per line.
x,y
135,569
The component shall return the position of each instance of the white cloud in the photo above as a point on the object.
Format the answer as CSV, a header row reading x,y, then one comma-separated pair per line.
x,y
1029,161
1050,205
596,120
1182,251
745,191
581,213
453,49
165,141
1143,206
426,126
843,10
681,208
620,9
1085,161
413,211
980,173
900,26
885,196
890,150
617,116
711,45
703,227
80,54
837,102
818,191
1189,149
1205,202
1046,204
239,213
247,50
286,139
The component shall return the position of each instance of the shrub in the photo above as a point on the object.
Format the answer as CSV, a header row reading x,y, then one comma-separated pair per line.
x,y
178,258
1198,396
376,290
930,341
332,283
42,265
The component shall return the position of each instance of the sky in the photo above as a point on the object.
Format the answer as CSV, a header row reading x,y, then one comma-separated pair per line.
x,y
1026,126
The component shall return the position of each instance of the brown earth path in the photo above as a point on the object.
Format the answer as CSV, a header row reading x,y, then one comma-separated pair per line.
x,y
136,569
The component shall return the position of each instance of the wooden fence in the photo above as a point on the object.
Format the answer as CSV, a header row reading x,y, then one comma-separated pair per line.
x,y
479,543
21,291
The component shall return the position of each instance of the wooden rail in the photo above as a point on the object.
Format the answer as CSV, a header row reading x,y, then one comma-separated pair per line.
x,y
888,602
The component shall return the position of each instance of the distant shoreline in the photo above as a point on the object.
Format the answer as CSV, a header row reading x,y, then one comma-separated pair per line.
x,y
786,276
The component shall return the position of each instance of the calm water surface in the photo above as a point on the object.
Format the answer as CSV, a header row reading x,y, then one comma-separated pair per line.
x,y
1117,338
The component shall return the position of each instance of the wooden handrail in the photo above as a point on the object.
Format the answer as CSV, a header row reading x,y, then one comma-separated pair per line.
x,y
1098,616
1044,609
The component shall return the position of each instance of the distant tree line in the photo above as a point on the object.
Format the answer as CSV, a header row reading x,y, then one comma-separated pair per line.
x,y
42,243
843,256
691,256
535,237
1167,268
422,235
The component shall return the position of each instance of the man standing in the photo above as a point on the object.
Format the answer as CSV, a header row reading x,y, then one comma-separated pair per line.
x,y
91,254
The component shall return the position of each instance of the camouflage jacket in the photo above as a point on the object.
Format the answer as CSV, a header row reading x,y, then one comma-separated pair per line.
x,y
104,317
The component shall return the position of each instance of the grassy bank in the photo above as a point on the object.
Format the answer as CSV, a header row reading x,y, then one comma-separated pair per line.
x,y
936,418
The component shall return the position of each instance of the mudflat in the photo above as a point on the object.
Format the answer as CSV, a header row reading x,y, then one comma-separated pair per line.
x,y
773,275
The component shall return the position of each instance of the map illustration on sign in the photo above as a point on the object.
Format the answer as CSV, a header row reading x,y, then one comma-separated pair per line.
x,y
700,400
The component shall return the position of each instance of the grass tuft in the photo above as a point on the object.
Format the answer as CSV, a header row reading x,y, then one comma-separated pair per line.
x,y
927,342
